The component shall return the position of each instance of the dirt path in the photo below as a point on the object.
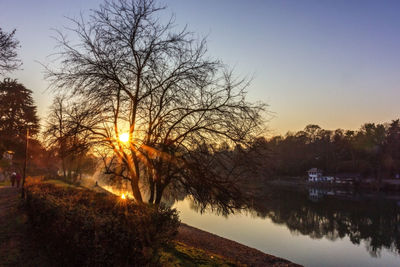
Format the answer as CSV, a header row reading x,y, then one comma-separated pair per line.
x,y
227,248
10,236
16,245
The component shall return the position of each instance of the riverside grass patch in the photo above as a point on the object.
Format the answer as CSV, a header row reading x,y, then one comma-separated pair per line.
x,y
80,227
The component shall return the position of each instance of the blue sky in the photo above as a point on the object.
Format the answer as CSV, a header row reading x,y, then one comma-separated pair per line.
x,y
332,63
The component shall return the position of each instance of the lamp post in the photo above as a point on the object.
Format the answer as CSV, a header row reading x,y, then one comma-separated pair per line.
x,y
25,163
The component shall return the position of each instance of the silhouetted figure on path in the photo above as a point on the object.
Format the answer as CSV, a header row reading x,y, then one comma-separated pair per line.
x,y
13,177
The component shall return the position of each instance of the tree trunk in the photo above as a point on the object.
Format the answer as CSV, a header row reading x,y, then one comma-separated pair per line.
x,y
152,187
159,192
136,191
63,168
135,182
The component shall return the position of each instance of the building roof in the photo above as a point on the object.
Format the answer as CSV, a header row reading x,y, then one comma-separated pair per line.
x,y
314,170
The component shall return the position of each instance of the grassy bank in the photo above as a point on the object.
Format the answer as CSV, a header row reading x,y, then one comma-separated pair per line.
x,y
180,254
169,253
24,245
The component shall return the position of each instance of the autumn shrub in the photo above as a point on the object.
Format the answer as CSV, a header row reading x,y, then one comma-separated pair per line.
x,y
80,227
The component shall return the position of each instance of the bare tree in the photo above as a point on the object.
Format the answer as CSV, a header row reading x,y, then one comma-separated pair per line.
x,y
55,129
157,84
64,131
8,53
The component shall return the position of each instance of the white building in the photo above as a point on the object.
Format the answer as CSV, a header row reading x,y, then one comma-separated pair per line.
x,y
314,175
330,179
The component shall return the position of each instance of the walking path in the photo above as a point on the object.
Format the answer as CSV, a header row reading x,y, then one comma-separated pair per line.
x,y
16,245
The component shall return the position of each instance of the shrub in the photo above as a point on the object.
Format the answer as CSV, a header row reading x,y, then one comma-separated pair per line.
x,y
81,227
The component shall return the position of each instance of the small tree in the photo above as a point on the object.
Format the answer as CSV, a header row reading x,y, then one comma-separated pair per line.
x,y
8,53
156,83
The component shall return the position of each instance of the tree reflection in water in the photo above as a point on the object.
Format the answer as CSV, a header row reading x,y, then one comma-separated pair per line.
x,y
362,217
374,220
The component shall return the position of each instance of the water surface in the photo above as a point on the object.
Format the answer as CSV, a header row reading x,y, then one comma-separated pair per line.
x,y
312,227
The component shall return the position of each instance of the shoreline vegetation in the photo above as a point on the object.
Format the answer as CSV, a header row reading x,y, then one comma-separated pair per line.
x,y
190,247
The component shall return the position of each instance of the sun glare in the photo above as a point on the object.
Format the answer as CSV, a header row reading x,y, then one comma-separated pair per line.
x,y
124,138
123,196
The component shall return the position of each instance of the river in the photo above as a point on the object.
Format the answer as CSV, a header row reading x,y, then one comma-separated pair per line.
x,y
312,227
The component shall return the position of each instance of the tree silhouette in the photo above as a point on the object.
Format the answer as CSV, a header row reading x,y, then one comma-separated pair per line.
x,y
370,152
64,133
8,53
157,84
17,114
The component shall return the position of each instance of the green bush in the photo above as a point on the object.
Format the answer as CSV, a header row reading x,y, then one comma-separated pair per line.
x,y
84,228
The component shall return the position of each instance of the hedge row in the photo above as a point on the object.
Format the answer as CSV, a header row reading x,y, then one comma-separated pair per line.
x,y
83,228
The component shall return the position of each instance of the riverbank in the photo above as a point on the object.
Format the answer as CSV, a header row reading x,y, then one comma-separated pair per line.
x,y
211,244
239,253
229,252
18,247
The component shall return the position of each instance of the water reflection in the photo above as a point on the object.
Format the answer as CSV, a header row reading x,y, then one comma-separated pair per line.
x,y
328,213
373,219
346,218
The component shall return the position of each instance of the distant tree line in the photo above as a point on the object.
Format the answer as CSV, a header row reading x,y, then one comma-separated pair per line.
x,y
372,151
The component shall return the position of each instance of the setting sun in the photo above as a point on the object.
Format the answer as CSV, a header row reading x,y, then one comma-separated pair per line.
x,y
123,196
124,138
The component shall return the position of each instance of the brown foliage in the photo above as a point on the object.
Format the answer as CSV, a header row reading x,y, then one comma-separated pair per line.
x,y
82,227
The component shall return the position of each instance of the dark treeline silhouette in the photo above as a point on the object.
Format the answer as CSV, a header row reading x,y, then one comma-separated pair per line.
x,y
373,151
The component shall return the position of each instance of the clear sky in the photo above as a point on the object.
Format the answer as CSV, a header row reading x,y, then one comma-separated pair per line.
x,y
332,63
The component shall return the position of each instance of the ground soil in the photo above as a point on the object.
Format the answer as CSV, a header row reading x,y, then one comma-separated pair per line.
x,y
227,248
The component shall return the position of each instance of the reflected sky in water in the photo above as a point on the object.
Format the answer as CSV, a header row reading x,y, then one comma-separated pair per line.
x,y
260,232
